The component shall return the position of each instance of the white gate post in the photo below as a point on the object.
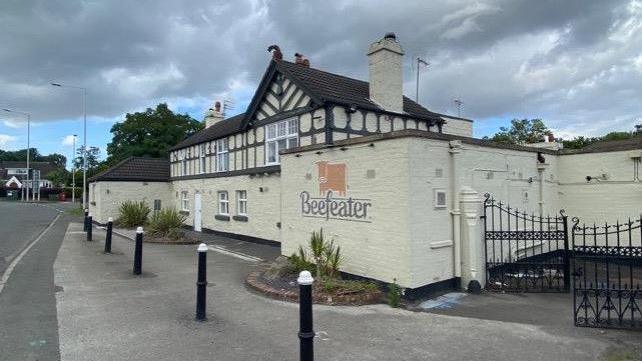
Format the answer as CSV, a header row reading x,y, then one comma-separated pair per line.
x,y
473,262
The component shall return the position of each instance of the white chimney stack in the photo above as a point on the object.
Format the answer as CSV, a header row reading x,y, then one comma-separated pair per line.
x,y
213,116
385,61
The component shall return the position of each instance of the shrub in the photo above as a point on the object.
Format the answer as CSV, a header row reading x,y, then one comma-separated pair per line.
x,y
394,294
132,214
166,223
339,286
326,258
332,260
299,262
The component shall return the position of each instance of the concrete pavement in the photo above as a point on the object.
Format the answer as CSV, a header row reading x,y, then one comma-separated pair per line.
x,y
105,313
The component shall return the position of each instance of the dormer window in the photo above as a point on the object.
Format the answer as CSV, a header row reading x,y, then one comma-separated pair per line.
x,y
280,135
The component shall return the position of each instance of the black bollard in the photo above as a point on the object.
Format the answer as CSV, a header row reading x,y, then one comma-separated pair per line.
x,y
201,283
84,227
89,228
110,226
138,251
306,331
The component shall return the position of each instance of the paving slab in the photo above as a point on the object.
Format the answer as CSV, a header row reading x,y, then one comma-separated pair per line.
x,y
106,313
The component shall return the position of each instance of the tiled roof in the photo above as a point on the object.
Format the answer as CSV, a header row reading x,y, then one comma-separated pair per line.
x,y
221,129
136,169
344,90
318,84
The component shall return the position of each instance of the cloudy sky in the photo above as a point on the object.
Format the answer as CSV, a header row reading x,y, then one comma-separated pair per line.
x,y
576,64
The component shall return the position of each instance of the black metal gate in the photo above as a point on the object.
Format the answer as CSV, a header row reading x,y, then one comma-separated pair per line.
x,y
607,273
525,252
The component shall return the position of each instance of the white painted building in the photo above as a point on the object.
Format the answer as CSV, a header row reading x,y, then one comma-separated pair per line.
x,y
397,186
14,174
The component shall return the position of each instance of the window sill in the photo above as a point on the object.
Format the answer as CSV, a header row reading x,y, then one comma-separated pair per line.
x,y
240,218
222,217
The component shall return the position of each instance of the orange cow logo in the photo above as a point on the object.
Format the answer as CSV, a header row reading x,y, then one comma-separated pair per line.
x,y
332,177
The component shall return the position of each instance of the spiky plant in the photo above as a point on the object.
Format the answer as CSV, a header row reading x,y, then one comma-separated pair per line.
x,y
318,247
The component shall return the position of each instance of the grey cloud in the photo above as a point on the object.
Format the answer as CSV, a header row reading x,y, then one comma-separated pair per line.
x,y
502,57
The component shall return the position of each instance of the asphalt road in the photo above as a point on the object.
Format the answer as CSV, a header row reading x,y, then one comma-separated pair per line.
x,y
19,224
28,322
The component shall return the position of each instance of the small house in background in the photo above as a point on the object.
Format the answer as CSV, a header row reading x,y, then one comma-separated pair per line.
x,y
399,187
134,179
13,174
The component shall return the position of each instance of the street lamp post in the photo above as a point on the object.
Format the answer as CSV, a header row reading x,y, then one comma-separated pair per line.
x,y
73,173
84,153
28,143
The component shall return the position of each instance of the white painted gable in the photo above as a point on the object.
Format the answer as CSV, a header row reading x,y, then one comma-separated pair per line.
x,y
281,96
13,180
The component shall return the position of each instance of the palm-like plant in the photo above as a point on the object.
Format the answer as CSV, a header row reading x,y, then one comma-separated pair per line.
x,y
333,259
318,247
325,255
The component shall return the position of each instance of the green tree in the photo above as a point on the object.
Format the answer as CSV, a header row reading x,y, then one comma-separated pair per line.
x,y
581,142
149,133
93,162
521,131
58,177
34,155
54,158
20,155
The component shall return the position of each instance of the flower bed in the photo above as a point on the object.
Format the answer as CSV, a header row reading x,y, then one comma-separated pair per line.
x,y
279,282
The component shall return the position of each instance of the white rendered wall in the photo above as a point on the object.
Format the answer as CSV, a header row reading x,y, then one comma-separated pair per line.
x,y
106,197
510,176
617,197
263,202
377,248
431,170
459,127
431,235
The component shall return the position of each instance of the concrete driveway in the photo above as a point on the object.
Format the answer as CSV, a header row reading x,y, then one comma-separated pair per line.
x,y
105,313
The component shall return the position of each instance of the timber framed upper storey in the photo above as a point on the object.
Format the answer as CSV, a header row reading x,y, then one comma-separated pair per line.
x,y
296,105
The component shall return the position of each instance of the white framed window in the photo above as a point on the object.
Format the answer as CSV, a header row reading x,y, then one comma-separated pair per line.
x,y
241,203
223,203
440,198
201,158
183,162
184,201
280,135
222,155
